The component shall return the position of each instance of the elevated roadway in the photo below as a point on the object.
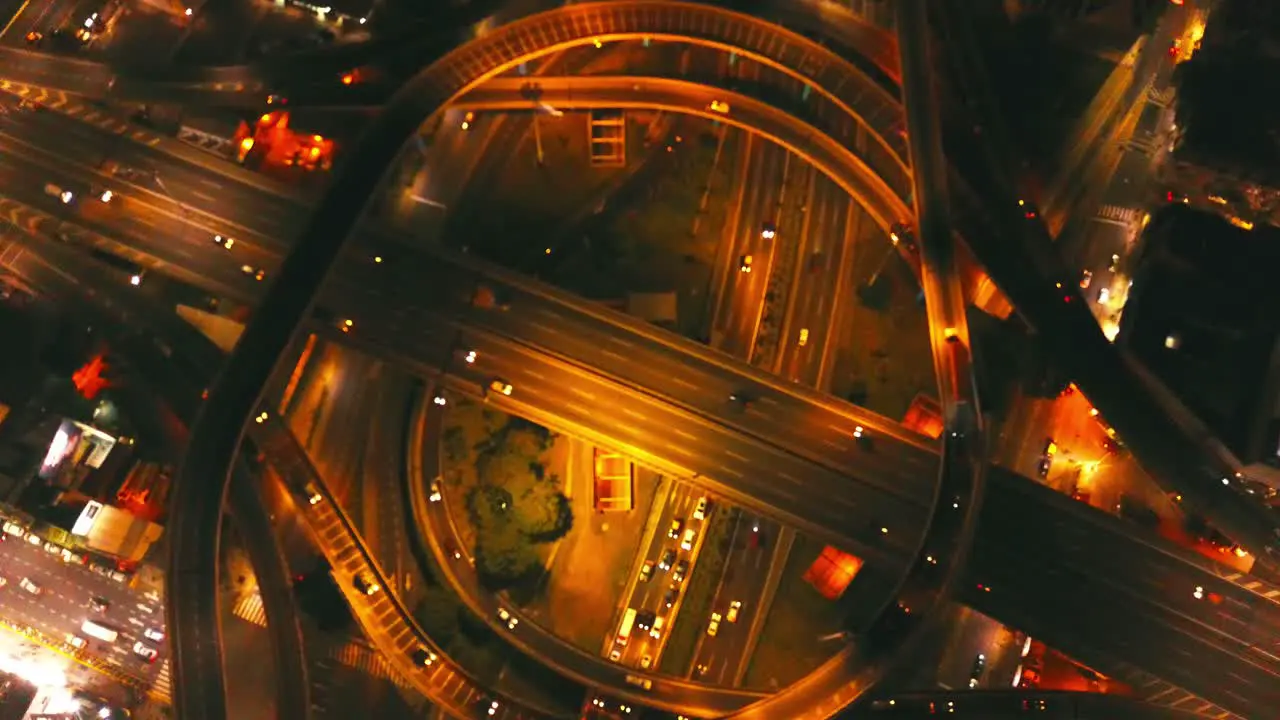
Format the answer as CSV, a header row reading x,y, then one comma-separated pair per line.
x,y
1058,539
311,78
231,404
1046,293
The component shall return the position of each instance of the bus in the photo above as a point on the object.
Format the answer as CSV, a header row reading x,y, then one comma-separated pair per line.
x,y
624,630
101,632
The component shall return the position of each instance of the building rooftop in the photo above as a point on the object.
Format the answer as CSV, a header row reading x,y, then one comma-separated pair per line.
x,y
1200,317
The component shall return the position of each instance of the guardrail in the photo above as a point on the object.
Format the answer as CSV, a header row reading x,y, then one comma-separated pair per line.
x,y
382,615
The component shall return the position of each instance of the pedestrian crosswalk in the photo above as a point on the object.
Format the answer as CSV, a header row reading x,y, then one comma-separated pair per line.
x,y
1119,215
365,659
161,685
249,608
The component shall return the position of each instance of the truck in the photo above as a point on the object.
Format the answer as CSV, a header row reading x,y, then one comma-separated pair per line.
x,y
486,298
614,481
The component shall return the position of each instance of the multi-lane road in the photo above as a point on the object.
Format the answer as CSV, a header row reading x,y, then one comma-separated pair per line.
x,y
64,600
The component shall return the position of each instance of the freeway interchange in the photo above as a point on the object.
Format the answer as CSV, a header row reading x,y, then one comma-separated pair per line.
x,y
803,431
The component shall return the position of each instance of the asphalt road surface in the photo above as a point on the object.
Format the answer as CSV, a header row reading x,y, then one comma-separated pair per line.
x,y
63,605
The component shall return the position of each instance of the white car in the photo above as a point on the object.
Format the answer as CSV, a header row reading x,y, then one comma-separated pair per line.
x,y
153,635
29,586
700,510
435,495
146,652
76,641
686,543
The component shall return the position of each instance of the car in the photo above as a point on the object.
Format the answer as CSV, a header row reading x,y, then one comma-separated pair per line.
x,y
313,494
744,263
1042,468
424,657
501,387
52,548
645,619
256,273
1086,279
145,651
142,607
1114,265
76,641
224,241
66,197
365,583
655,632
511,620
975,674
99,604
1104,296
29,586
640,682
468,120
106,196
615,655
435,495
3,581
686,543
153,634
1050,447
646,571
669,597
35,37
674,531
804,337
668,557
274,99
713,626
680,571
646,662
768,230
735,608
719,106
700,510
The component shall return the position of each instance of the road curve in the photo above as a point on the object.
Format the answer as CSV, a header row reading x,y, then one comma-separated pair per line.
x,y
201,489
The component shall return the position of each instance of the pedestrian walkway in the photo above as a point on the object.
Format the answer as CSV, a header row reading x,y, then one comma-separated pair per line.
x,y
363,658
249,608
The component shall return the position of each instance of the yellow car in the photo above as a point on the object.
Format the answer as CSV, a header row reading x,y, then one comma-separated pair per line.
x,y
500,386
719,106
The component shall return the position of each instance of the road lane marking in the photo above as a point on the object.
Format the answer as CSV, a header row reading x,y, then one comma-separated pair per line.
x,y
731,471
546,328
788,476
204,196
684,383
836,445
575,407
211,183
735,455
619,341
582,393
633,413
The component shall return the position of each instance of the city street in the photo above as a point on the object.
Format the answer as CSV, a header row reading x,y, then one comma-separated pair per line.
x,y
63,605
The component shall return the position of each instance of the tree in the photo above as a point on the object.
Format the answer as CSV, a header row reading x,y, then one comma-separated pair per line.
x,y
437,614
